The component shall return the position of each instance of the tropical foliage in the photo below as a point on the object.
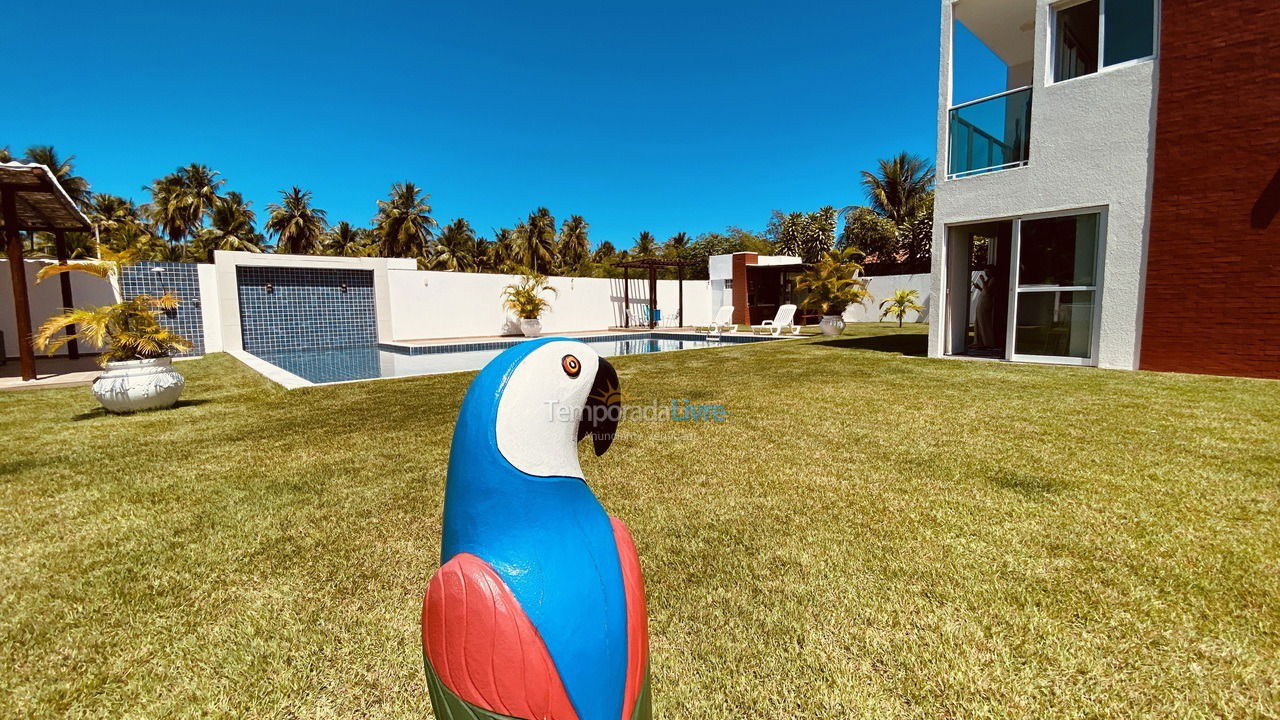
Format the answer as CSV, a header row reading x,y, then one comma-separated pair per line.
x,y
296,224
77,188
901,187
346,240
676,246
603,253
403,224
645,246
574,245
807,235
901,303
895,227
231,227
535,240
832,284
191,214
180,201
455,250
525,298
127,330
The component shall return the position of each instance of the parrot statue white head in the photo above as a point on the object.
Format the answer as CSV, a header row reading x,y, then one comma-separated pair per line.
x,y
558,394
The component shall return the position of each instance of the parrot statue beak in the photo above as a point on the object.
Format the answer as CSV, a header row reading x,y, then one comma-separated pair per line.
x,y
600,414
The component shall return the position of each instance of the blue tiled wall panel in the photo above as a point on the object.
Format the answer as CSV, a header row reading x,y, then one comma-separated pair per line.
x,y
180,279
297,308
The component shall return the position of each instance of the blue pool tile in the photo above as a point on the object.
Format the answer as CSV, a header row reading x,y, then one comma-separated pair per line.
x,y
180,279
289,309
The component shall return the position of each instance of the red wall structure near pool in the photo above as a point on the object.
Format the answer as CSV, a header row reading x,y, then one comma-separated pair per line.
x,y
1212,302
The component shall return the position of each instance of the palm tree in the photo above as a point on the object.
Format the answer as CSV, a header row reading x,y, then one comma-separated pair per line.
x,y
646,245
900,303
455,250
63,169
574,245
832,284
346,240
122,228
501,254
230,228
297,225
180,201
5,155
484,254
128,330
537,239
603,253
677,245
901,188
404,224
115,219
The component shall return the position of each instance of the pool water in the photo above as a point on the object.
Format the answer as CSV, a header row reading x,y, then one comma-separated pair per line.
x,y
366,362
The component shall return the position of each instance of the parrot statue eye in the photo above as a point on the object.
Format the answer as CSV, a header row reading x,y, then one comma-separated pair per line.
x,y
572,366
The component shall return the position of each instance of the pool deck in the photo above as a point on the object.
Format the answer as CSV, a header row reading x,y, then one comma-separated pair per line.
x,y
478,339
53,372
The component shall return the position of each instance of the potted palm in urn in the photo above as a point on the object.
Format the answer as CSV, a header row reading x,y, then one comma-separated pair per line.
x,y
525,299
832,285
137,352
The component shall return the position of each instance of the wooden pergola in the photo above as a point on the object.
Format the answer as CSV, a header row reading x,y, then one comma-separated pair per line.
x,y
652,265
31,200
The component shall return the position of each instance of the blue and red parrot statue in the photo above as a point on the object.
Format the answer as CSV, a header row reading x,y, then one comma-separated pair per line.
x,y
537,611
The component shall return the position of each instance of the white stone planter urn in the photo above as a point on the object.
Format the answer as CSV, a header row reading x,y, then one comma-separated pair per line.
x,y
531,327
133,385
831,325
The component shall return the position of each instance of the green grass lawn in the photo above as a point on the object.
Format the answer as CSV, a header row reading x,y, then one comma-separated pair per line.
x,y
869,535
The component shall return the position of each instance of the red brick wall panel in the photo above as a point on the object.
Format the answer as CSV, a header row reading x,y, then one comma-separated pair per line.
x,y
1212,300
741,312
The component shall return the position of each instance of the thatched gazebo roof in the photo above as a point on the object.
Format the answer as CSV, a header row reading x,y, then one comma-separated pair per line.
x,y
40,203
31,200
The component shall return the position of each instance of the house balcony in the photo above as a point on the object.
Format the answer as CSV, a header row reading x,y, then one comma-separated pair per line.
x,y
990,134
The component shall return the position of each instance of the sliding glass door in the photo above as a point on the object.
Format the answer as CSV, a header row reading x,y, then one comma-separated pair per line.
x,y
1055,293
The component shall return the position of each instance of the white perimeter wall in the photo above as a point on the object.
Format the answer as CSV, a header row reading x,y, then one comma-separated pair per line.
x,y
428,305
410,304
419,305
46,300
883,286
1090,148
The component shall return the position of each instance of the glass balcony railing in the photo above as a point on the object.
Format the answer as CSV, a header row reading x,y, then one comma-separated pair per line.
x,y
990,134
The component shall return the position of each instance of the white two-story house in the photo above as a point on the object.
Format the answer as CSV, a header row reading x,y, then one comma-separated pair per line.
x,y
1044,190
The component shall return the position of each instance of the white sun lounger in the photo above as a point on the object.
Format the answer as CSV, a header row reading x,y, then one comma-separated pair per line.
x,y
783,320
722,323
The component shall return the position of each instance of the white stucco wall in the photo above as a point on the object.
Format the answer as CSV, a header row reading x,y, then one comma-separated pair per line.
x,y
720,267
207,274
1090,147
883,286
430,305
46,300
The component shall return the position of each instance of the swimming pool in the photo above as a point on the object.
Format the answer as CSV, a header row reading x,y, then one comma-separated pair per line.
x,y
367,362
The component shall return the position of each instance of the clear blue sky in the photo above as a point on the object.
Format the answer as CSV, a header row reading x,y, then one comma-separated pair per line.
x,y
660,116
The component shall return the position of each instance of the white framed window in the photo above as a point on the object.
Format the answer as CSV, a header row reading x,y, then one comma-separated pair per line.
x,y
1089,35
1056,283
